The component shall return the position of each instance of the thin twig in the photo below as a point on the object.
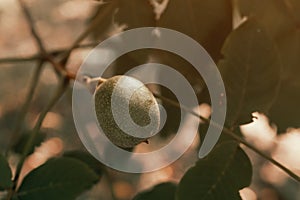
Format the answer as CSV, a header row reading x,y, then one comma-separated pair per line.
x,y
93,25
25,107
57,95
58,67
20,59
221,128
52,53
229,133
32,27
88,80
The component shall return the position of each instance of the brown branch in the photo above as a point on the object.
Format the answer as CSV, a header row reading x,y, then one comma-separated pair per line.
x,y
20,59
59,92
64,82
59,68
32,27
93,25
216,125
25,107
53,53
231,134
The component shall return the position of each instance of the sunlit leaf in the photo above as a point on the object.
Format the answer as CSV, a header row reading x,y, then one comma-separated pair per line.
x,y
285,112
251,72
5,174
221,175
285,32
165,191
60,178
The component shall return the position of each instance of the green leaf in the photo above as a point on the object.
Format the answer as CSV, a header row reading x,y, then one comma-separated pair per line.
x,y
135,13
221,175
285,111
207,21
285,32
251,72
285,13
165,191
59,178
267,12
88,159
5,174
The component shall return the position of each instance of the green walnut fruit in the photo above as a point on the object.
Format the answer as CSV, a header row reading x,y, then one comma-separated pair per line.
x,y
113,97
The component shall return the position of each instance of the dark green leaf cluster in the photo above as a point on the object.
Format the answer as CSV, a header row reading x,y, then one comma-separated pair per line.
x,y
59,178
219,176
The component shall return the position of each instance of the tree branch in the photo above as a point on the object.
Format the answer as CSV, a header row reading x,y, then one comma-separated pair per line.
x,y
32,27
231,134
93,25
225,130
52,53
25,107
64,82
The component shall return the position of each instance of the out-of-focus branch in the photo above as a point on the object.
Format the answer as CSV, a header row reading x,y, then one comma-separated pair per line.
x,y
25,107
59,67
65,79
53,53
230,133
224,129
92,26
64,82
32,27
20,59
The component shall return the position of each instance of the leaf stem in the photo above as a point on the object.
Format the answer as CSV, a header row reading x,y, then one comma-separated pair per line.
x,y
57,95
60,68
25,107
216,125
231,134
